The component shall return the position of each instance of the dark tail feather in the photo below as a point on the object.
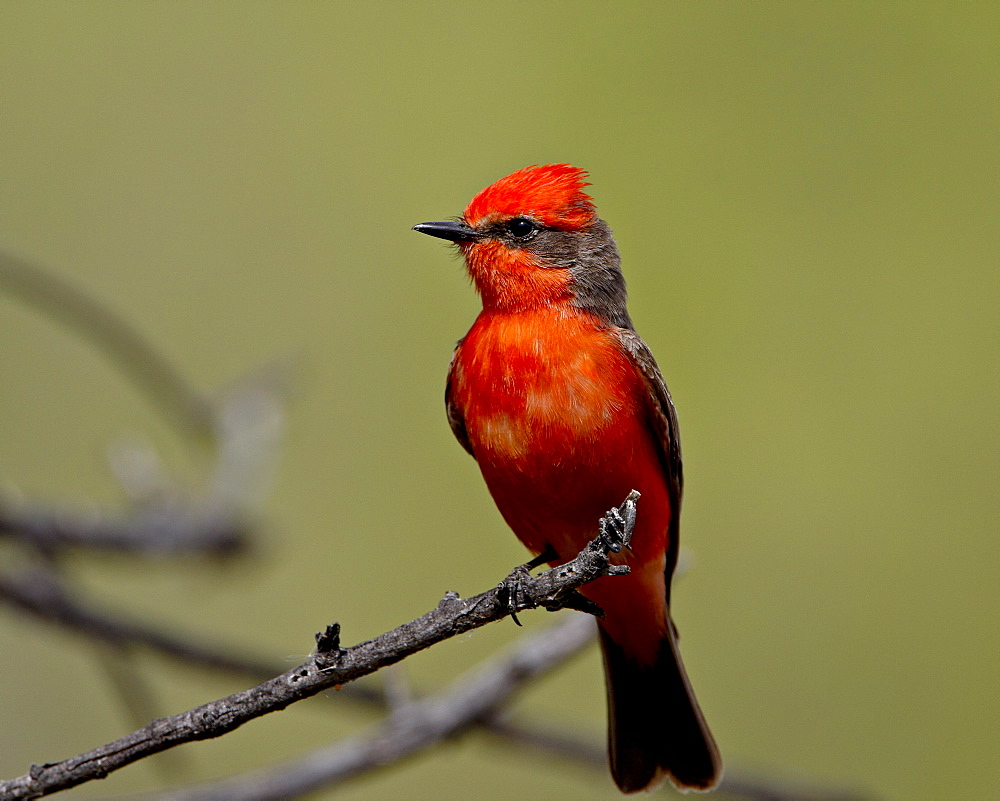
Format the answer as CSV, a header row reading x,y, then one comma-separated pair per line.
x,y
655,728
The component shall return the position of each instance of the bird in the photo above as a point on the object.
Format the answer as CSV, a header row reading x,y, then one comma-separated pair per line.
x,y
565,411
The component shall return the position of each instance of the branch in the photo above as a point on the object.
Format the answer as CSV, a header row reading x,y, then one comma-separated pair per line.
x,y
473,701
166,516
332,666
39,593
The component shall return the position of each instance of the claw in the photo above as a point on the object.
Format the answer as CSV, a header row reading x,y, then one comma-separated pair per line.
x,y
510,590
615,528
510,587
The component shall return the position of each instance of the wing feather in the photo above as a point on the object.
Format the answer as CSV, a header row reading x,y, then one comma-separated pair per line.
x,y
455,418
663,420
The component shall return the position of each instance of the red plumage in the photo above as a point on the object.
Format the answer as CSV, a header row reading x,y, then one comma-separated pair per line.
x,y
553,193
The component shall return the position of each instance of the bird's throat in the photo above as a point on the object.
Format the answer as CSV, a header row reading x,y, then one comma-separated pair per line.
x,y
511,280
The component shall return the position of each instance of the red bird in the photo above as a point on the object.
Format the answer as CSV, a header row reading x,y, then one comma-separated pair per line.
x,y
565,410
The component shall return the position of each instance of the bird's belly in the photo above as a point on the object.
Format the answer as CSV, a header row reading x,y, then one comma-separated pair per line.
x,y
559,448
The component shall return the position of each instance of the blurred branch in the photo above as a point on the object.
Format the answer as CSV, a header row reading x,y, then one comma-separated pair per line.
x,y
591,753
754,787
156,531
244,426
166,517
38,593
110,333
332,666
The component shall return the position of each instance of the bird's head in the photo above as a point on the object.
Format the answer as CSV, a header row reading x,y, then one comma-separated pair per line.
x,y
534,239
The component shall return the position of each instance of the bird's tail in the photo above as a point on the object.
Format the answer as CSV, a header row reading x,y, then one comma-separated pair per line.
x,y
655,728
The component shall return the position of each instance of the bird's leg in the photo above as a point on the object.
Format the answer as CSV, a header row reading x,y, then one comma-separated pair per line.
x,y
509,591
548,555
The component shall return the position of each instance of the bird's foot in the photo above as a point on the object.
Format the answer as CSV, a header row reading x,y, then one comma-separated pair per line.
x,y
510,589
615,528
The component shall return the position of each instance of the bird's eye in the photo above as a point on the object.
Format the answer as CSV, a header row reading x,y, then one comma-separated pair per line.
x,y
521,227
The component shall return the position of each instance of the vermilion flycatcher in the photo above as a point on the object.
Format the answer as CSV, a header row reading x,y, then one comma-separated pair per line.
x,y
564,408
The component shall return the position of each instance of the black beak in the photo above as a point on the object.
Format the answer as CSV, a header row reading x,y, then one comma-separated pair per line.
x,y
453,231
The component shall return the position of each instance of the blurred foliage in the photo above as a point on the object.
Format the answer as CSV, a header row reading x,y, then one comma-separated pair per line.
x,y
806,200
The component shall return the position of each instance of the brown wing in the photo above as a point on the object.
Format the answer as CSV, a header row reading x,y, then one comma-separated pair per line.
x,y
663,419
455,419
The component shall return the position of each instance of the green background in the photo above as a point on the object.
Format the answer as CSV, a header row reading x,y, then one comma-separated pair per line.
x,y
805,196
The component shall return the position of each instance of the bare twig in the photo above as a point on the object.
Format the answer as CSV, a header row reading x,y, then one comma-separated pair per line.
x,y
471,701
39,593
329,667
